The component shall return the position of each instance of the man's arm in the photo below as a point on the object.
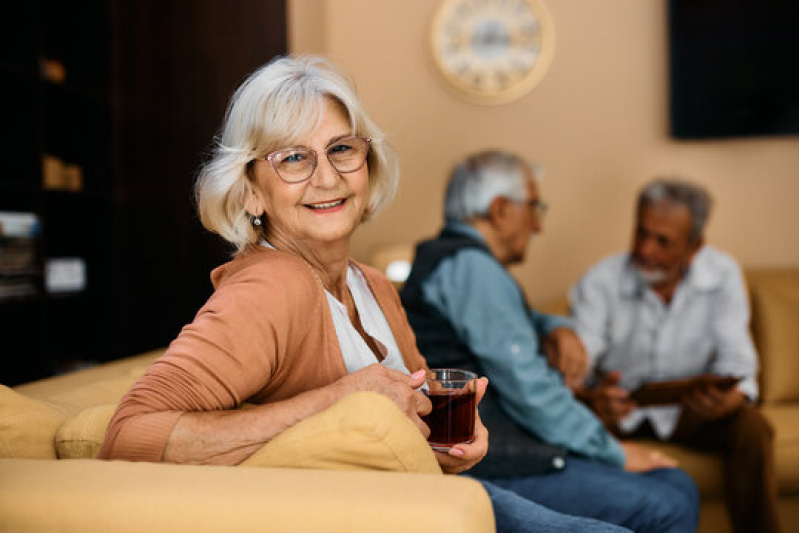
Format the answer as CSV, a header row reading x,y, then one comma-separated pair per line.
x,y
484,306
735,351
590,311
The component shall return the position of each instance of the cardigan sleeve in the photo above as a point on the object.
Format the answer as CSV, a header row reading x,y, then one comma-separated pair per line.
x,y
231,350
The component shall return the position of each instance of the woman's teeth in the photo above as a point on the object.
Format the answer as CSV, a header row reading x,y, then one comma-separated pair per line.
x,y
326,205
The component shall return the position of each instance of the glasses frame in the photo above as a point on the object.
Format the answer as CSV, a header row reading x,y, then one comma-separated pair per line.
x,y
270,157
538,206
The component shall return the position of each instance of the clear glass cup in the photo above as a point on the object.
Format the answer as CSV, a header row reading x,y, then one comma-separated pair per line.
x,y
453,395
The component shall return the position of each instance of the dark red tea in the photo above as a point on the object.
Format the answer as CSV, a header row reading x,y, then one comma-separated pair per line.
x,y
452,419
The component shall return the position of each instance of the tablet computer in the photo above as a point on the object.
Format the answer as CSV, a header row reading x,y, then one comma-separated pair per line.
x,y
672,391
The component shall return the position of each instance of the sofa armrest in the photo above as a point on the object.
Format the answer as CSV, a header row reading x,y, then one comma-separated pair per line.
x,y
91,495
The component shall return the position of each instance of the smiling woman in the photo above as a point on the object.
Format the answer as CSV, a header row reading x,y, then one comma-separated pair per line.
x,y
294,324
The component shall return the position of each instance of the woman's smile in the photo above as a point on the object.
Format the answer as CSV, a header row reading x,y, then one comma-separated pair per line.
x,y
332,206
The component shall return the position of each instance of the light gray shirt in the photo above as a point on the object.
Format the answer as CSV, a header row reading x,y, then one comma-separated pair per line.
x,y
705,329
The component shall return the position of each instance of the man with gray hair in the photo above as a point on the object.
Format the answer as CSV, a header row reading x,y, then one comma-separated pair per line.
x,y
673,308
467,311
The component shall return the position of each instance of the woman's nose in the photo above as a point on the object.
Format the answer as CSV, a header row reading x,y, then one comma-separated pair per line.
x,y
325,175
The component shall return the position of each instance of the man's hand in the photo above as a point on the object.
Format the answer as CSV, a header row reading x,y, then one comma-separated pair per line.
x,y
712,403
610,402
565,352
462,457
642,459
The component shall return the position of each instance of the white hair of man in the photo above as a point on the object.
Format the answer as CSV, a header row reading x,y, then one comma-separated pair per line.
x,y
478,179
677,191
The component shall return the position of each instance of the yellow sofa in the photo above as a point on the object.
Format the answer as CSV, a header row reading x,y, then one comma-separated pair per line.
x,y
388,481
774,295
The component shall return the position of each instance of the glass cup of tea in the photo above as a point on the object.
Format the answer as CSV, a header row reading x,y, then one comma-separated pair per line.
x,y
452,393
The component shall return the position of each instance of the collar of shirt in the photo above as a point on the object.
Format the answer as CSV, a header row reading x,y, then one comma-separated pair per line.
x,y
465,229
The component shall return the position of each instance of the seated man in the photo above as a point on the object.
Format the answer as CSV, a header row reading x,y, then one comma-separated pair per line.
x,y
674,308
467,311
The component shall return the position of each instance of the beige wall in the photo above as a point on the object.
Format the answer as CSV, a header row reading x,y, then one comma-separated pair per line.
x,y
597,123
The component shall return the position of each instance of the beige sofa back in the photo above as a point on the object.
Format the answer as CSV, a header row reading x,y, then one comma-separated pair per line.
x,y
774,294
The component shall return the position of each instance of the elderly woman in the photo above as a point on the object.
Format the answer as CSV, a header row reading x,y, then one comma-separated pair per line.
x,y
294,324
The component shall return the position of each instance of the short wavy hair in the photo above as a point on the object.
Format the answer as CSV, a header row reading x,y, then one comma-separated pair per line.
x,y
681,192
481,177
276,106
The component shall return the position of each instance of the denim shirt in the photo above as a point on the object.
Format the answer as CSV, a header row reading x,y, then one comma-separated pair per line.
x,y
485,307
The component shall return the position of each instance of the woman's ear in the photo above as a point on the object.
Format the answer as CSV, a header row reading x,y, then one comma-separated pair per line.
x,y
253,203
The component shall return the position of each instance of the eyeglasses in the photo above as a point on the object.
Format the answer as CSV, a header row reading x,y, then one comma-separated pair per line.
x,y
539,207
295,165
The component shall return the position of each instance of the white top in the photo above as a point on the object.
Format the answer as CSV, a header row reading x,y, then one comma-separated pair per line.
x,y
705,329
356,352
354,349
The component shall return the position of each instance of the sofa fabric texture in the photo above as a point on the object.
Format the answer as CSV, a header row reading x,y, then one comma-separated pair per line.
x,y
361,465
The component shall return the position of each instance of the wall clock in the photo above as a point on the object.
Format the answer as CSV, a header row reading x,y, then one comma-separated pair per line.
x,y
491,51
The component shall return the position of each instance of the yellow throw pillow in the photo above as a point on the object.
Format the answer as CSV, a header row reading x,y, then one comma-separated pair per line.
x,y
27,426
363,431
82,436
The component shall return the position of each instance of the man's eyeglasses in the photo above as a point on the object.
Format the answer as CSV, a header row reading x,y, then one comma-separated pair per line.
x,y
294,165
539,207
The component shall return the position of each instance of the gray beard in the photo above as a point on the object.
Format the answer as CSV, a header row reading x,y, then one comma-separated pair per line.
x,y
650,277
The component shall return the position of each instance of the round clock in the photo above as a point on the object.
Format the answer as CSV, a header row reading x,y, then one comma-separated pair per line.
x,y
492,51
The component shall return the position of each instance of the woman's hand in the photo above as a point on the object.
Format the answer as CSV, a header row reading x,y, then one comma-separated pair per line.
x,y
398,386
462,457
643,459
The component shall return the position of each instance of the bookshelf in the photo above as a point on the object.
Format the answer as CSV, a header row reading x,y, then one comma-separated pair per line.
x,y
110,107
56,63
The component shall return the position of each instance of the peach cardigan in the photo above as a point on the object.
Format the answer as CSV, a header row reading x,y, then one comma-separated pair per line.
x,y
265,334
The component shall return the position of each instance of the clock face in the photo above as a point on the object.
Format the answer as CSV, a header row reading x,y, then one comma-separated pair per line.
x,y
492,51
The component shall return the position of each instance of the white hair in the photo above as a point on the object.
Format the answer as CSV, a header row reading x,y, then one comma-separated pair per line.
x,y
681,192
277,106
480,178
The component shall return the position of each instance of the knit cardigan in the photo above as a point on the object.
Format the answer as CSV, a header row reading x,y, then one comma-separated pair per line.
x,y
265,334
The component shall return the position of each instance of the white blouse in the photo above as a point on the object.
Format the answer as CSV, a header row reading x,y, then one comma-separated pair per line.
x,y
356,352
354,349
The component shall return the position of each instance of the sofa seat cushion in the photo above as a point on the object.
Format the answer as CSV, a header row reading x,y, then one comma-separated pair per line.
x,y
785,421
88,496
363,431
27,426
703,467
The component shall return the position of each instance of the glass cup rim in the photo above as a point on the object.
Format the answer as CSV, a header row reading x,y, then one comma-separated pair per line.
x,y
454,375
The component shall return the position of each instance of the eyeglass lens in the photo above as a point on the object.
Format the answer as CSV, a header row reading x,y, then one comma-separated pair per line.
x,y
298,164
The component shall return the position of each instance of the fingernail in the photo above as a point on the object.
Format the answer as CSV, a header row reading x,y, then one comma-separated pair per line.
x,y
456,452
418,374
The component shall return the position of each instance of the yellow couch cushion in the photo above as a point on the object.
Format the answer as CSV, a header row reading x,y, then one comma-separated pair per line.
x,y
775,299
82,436
363,431
27,426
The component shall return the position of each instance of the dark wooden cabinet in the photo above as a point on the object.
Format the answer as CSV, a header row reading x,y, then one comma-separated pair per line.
x,y
127,96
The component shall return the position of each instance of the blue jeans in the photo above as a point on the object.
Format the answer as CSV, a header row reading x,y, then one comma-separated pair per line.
x,y
664,500
515,514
